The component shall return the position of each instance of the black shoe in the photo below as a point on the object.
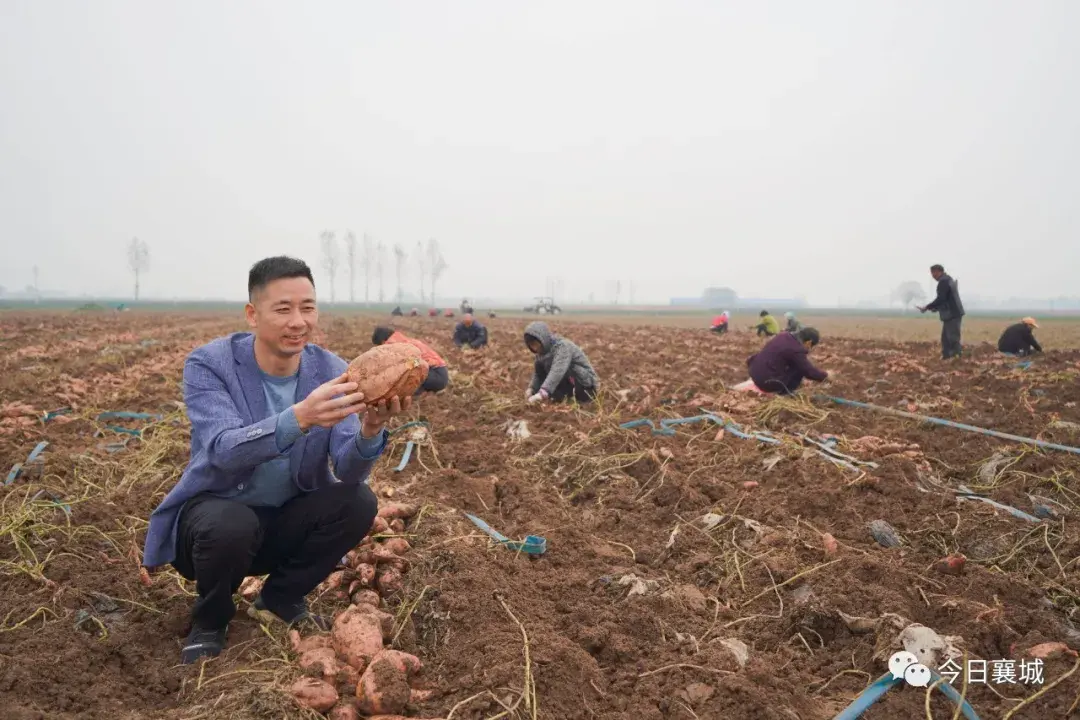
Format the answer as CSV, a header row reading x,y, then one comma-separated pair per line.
x,y
295,615
202,643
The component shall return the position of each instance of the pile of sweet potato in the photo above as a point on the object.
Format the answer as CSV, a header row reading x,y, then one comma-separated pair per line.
x,y
349,672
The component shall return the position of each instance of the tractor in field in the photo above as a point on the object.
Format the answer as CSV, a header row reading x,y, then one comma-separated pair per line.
x,y
544,306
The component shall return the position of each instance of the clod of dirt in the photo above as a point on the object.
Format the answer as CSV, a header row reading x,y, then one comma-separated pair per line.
x,y
737,648
857,625
697,693
688,596
638,586
366,597
885,535
932,649
314,694
711,520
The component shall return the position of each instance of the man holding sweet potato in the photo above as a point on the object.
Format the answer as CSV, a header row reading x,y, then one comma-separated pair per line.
x,y
267,410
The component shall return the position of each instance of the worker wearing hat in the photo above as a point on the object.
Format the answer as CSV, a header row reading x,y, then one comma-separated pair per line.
x,y
1019,339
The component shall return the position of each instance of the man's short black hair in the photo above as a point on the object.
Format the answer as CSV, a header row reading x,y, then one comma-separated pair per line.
x,y
937,268
274,268
381,335
764,313
809,334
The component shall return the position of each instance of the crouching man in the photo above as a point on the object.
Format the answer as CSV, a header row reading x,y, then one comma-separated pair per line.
x,y
561,370
469,333
267,410
438,376
784,362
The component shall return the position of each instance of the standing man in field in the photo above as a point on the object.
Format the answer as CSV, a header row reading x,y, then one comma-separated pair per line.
x,y
951,311
267,410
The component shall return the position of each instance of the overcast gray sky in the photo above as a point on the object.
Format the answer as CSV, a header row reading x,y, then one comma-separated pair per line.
x,y
826,149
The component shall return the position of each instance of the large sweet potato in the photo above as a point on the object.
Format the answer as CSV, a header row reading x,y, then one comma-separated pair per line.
x,y
387,371
389,581
345,711
383,688
397,545
314,694
357,636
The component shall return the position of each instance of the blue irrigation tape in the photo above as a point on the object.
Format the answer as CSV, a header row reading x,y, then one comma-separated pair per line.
x,y
124,430
886,682
17,468
532,544
46,417
1008,508
405,458
958,426
125,415
411,423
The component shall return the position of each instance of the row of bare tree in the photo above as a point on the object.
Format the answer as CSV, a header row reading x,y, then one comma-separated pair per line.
x,y
370,257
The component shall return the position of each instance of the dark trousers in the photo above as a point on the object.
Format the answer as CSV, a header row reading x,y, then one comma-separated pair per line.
x,y
950,338
720,329
779,386
220,542
763,330
437,379
569,389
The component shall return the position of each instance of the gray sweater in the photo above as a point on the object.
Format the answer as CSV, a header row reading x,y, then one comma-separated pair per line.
x,y
558,359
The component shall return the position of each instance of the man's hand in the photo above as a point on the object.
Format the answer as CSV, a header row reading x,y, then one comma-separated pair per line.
x,y
375,416
329,404
538,396
921,308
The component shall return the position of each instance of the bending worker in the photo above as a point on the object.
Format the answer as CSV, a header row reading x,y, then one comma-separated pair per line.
x,y
470,333
1019,339
784,362
792,323
561,370
438,376
720,323
767,325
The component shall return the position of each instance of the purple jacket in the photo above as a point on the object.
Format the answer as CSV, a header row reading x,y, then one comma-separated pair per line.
x,y
783,359
229,438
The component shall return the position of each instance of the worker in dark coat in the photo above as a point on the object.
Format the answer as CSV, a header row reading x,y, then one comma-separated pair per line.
x,y
1019,339
784,362
470,333
949,308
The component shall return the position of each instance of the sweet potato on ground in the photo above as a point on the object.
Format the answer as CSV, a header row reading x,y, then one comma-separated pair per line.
x,y
397,511
357,636
396,545
397,525
381,525
366,597
386,620
311,642
315,694
345,711
322,661
384,687
389,581
365,574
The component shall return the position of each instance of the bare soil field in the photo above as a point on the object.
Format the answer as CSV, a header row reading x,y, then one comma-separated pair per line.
x,y
696,574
